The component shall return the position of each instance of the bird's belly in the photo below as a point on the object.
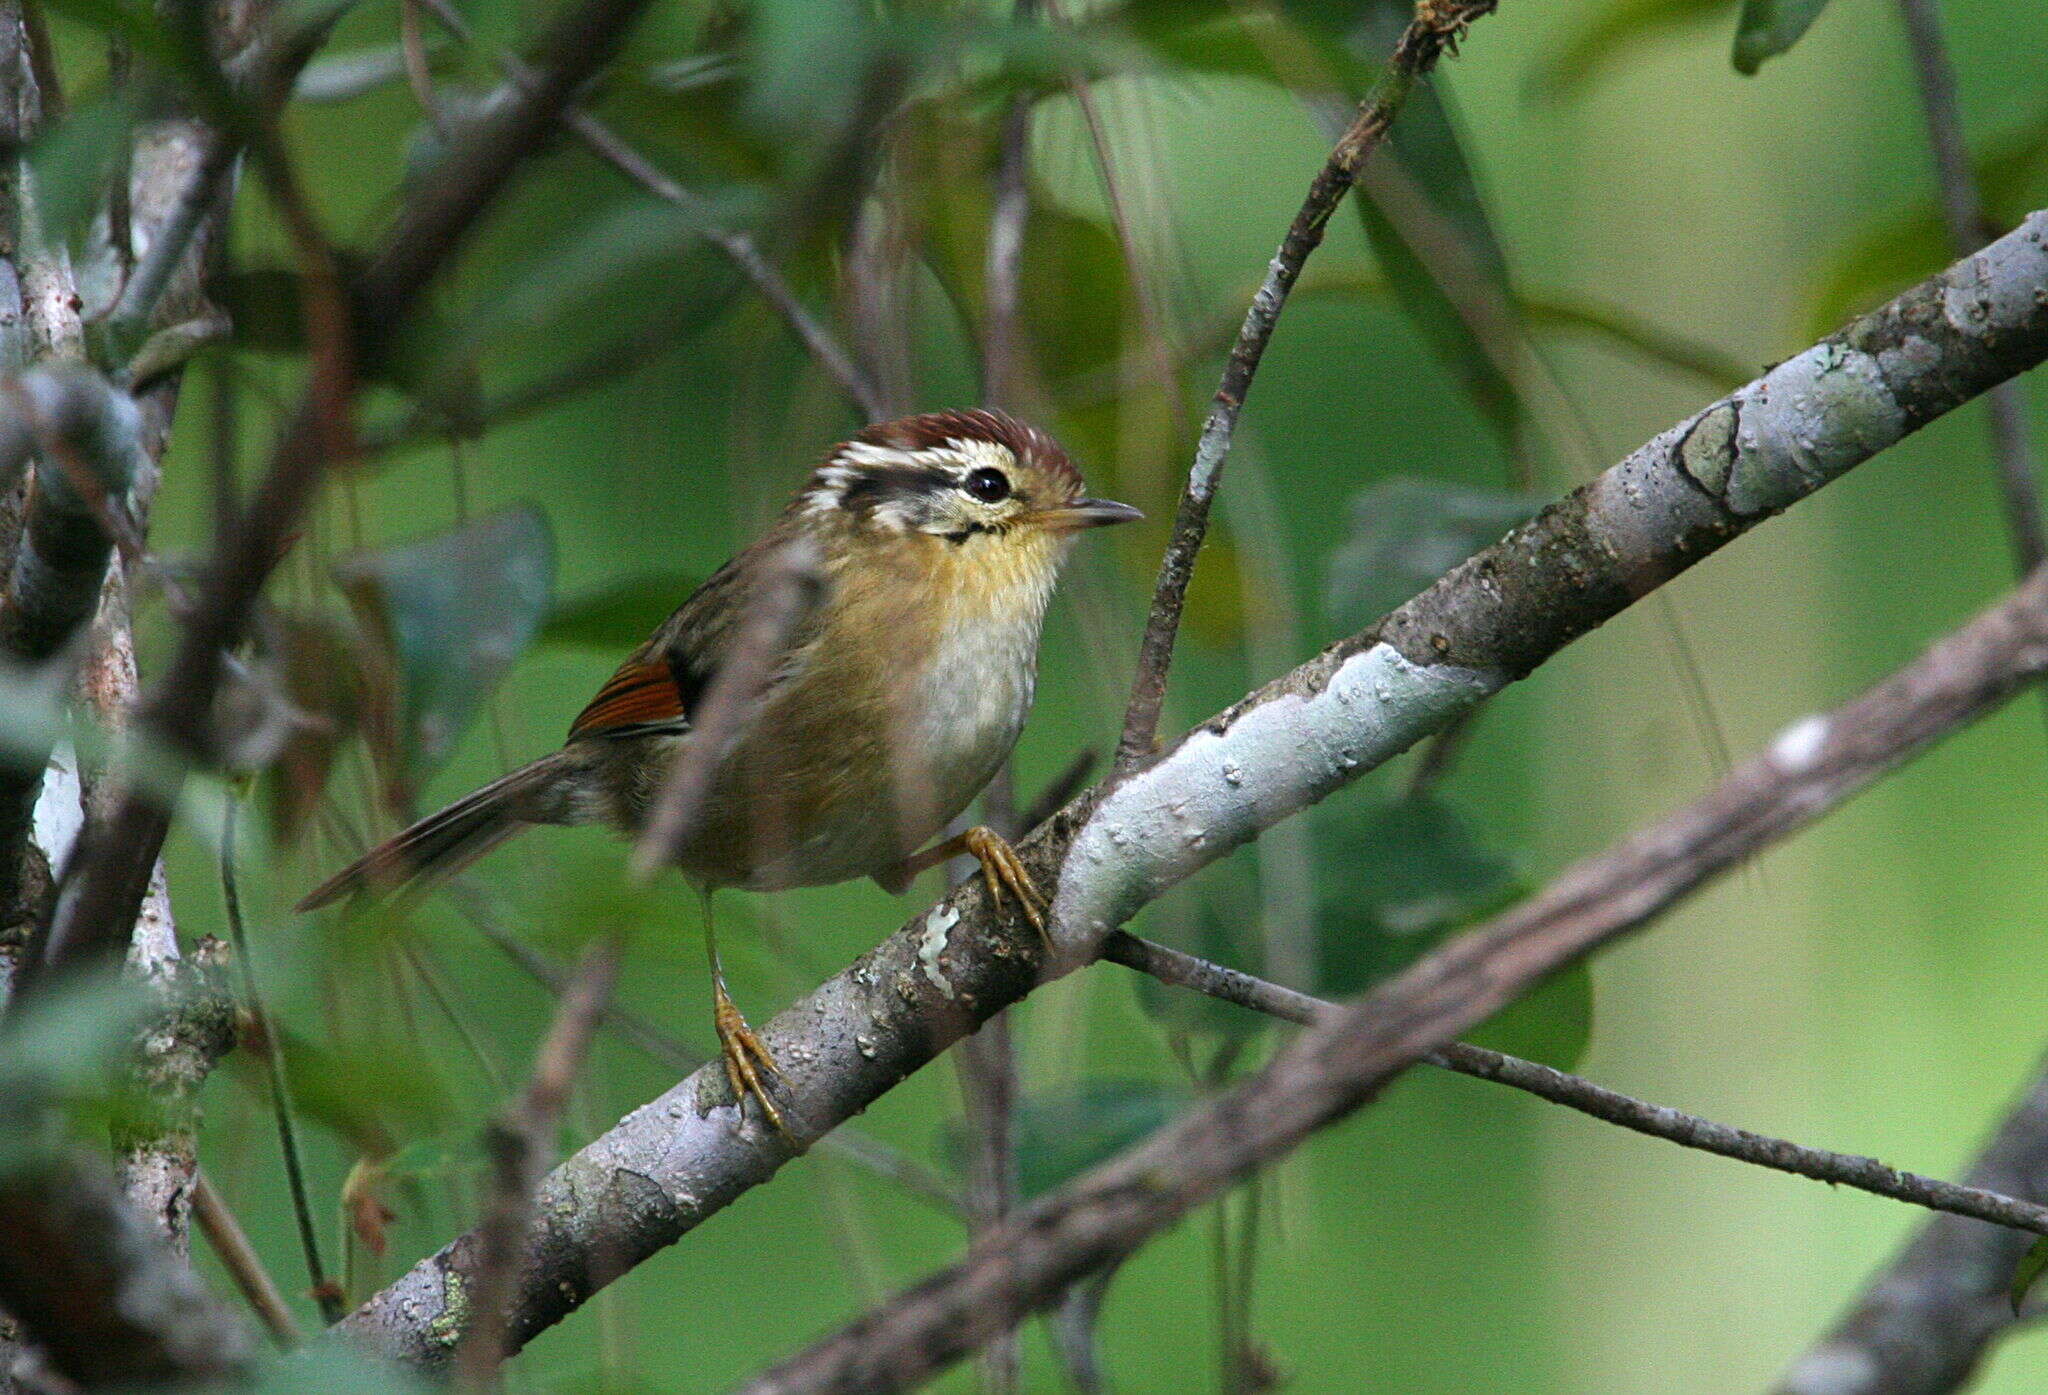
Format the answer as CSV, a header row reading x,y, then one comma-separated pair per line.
x,y
882,794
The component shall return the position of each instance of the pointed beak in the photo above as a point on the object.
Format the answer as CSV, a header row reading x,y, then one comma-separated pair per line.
x,y
1089,513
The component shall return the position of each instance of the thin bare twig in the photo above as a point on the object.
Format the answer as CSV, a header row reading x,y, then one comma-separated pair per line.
x,y
1969,227
521,1147
103,886
231,1246
1434,30
789,587
738,247
326,1292
1352,1052
1185,970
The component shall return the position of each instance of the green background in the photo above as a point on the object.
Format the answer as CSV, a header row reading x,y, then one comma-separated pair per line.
x,y
1873,986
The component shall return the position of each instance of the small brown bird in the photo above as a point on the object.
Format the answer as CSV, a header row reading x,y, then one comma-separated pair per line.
x,y
898,695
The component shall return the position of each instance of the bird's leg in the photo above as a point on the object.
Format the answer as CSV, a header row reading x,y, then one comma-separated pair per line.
x,y
1001,868
748,1066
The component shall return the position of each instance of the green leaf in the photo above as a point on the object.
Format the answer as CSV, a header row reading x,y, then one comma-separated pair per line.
x,y
71,163
1405,872
1405,533
264,306
1552,1024
59,1056
63,1041
618,614
368,1093
134,21
319,663
1446,243
570,270
1074,295
428,1158
341,77
1059,1134
451,613
1610,34
1212,37
2029,1272
1447,333
1405,875
1766,28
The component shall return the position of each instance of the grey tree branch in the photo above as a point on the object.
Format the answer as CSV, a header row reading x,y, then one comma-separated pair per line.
x,y
1434,30
1189,971
97,899
87,440
664,1169
1349,1054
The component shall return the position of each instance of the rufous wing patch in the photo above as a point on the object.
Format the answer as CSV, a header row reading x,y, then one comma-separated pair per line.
x,y
642,693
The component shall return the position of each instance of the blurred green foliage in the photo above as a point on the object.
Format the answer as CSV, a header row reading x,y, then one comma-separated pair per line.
x,y
596,410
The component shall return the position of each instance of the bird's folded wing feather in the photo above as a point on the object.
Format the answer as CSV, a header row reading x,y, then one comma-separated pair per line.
x,y
658,689
642,698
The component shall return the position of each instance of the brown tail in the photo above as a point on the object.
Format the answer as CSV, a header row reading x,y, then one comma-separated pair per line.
x,y
440,845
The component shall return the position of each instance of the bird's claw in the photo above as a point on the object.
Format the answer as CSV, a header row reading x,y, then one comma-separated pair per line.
x,y
1005,874
748,1066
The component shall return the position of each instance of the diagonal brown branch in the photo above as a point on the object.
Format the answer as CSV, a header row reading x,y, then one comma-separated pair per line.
x,y
666,1168
520,1146
100,892
1349,1055
1189,971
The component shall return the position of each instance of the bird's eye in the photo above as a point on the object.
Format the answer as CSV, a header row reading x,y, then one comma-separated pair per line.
x,y
988,484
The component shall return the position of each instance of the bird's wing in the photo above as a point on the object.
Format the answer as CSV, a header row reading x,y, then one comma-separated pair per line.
x,y
646,696
658,689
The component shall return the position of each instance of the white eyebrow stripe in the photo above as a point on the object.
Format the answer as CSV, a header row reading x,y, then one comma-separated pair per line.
x,y
956,458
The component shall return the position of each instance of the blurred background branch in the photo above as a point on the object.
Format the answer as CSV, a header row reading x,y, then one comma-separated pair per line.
x,y
804,214
1290,743
1349,1055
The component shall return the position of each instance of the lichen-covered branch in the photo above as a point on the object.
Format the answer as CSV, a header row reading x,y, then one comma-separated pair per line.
x,y
86,437
1350,1054
679,1159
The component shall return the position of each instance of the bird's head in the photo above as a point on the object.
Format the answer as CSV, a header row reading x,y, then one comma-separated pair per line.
x,y
976,488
